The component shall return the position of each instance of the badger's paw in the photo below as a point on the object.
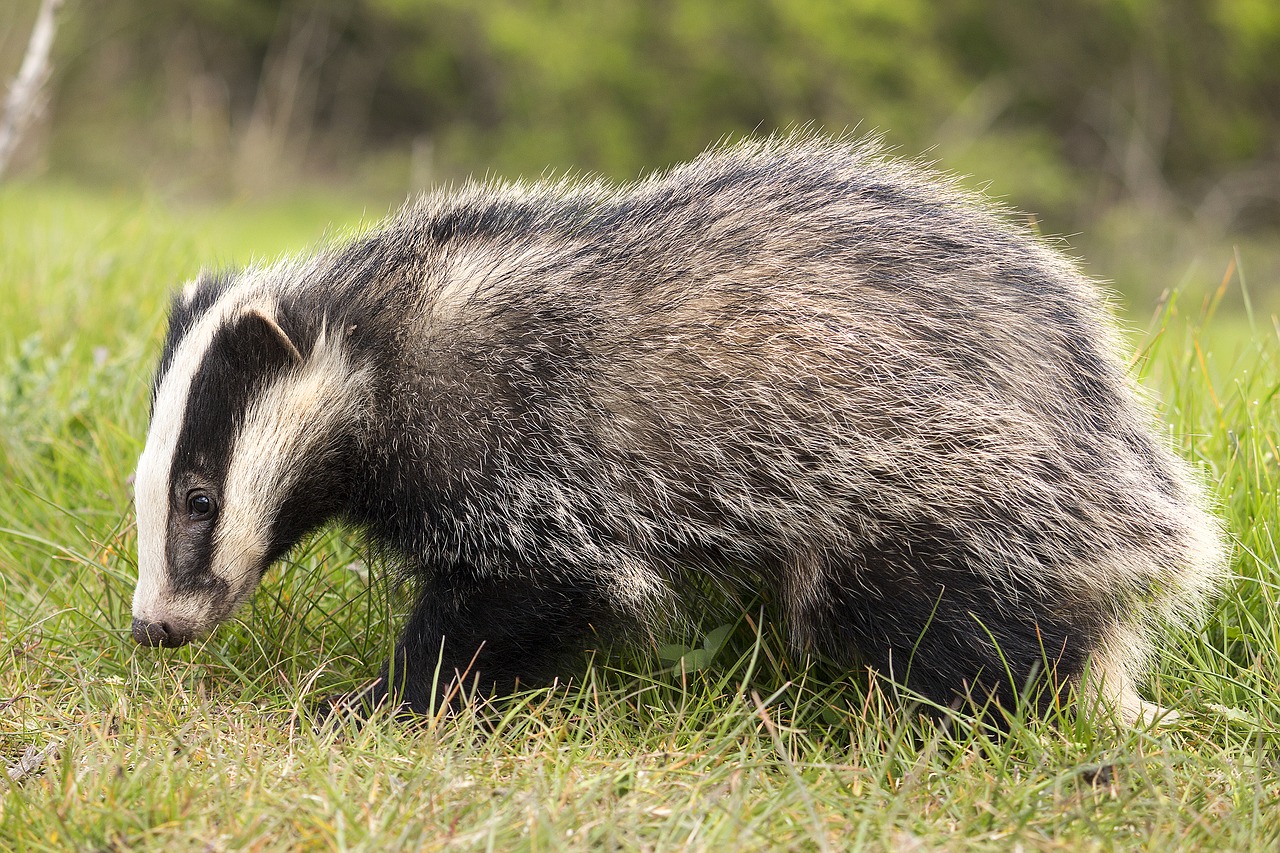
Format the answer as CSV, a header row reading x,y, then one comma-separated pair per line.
x,y
356,708
1149,715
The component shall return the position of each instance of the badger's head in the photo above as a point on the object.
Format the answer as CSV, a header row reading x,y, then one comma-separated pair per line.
x,y
253,410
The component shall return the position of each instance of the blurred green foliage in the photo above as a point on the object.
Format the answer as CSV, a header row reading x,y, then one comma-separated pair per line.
x,y
1068,106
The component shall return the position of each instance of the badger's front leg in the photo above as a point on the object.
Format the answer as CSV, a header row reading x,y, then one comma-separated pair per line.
x,y
490,635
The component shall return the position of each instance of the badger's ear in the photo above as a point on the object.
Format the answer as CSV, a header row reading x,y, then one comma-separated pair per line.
x,y
274,332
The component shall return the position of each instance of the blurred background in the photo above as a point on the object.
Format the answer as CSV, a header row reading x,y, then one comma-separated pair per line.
x,y
1147,132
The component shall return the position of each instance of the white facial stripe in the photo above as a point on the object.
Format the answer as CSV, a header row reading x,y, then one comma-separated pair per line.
x,y
151,481
151,597
286,425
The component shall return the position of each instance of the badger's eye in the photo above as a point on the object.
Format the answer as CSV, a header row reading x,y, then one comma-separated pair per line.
x,y
200,506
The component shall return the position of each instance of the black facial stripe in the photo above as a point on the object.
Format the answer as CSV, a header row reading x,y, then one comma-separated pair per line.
x,y
183,314
241,361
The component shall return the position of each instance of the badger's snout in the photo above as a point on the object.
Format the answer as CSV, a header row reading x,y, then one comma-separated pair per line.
x,y
159,634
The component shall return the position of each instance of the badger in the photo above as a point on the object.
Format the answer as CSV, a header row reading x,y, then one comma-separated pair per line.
x,y
574,411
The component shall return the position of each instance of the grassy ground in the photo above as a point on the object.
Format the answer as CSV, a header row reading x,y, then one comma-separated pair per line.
x,y
109,746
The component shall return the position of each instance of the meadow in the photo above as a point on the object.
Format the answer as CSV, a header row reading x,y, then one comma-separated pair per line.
x,y
719,743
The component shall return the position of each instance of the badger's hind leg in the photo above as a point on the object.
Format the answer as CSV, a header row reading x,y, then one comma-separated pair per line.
x,y
1109,687
491,636
922,617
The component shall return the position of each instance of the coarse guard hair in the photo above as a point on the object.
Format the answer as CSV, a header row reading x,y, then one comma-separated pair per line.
x,y
794,366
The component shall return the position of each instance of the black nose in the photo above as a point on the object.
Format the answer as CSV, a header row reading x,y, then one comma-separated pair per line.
x,y
158,634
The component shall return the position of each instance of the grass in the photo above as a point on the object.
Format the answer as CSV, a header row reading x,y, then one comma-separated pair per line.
x,y
109,746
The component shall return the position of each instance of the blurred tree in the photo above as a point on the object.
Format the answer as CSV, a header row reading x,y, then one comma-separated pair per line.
x,y
1158,96
26,93
1171,103
620,86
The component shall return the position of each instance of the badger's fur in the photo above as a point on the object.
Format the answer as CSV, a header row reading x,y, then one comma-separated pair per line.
x,y
795,366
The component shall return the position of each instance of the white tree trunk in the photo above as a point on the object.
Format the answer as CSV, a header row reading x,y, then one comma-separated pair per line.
x,y
25,102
